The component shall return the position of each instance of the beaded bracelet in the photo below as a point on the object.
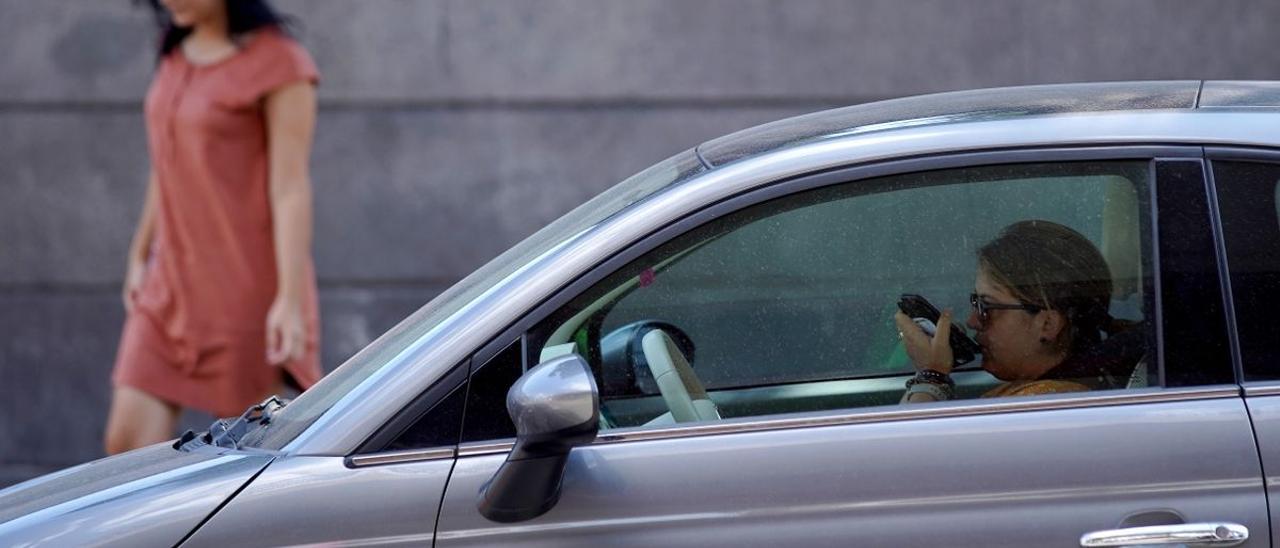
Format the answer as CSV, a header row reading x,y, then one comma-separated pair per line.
x,y
939,392
932,377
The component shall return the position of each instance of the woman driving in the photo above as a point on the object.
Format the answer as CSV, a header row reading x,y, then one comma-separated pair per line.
x,y
1039,308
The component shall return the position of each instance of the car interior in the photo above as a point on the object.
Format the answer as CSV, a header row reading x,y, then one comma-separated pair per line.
x,y
800,339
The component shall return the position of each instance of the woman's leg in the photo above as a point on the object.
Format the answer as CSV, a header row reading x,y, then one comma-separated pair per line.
x,y
138,419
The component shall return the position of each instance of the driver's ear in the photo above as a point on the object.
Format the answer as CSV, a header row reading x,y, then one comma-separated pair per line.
x,y
1052,323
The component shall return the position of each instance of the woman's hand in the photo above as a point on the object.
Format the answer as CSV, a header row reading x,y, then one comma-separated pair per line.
x,y
286,332
133,276
925,352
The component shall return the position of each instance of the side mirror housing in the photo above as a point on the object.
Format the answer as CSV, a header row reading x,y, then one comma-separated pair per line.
x,y
555,407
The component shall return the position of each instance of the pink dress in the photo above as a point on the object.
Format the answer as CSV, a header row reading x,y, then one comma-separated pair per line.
x,y
197,334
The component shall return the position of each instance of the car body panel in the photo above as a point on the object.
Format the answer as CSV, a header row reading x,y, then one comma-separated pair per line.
x,y
320,500
375,401
1012,479
153,496
1264,409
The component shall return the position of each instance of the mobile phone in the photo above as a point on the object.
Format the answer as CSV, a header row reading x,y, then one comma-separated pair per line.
x,y
925,315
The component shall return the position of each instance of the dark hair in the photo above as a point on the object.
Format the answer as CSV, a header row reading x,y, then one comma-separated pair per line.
x,y
242,16
1052,266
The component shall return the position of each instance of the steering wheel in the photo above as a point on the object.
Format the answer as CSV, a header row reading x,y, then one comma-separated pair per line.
x,y
680,388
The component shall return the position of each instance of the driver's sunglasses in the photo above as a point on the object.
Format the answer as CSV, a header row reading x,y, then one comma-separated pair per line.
x,y
984,308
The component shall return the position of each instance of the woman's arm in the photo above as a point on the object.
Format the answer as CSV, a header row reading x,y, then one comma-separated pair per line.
x,y
291,115
140,247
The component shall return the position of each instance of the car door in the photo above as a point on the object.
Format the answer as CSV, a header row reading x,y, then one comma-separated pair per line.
x,y
782,301
1247,182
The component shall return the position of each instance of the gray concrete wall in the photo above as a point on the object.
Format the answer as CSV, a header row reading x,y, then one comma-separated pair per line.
x,y
450,129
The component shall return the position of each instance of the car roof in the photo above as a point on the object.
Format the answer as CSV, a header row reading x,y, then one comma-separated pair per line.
x,y
1240,94
988,104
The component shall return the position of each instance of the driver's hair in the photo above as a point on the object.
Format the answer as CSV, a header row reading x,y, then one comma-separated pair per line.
x,y
1052,266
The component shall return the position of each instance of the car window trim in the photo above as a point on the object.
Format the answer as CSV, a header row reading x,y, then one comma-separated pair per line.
x,y
1157,290
846,417
1248,154
1261,388
1224,271
841,417
829,177
401,457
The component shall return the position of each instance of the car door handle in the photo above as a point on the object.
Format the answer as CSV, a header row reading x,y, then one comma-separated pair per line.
x,y
1195,534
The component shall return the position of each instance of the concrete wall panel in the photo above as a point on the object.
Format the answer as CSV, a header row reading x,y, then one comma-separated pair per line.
x,y
452,189
73,50
401,193
57,347
73,184
1150,40
710,50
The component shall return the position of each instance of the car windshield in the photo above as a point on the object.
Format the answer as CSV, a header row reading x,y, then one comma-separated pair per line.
x,y
303,411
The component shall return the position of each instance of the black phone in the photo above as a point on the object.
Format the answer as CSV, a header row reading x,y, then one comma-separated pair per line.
x,y
921,311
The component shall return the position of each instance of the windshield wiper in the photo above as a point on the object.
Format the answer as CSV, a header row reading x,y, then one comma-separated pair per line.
x,y
227,433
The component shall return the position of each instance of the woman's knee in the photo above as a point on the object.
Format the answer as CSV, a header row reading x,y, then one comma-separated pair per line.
x,y
118,440
137,419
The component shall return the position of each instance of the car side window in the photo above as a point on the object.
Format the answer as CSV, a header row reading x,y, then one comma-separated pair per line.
x,y
486,415
439,427
788,305
1249,202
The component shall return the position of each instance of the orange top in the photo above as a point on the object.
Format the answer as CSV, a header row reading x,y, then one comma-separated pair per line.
x,y
1035,388
211,275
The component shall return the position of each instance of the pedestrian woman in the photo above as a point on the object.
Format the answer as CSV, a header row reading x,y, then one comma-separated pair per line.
x,y
219,290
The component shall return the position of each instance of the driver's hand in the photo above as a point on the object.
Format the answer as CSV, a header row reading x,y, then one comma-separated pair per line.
x,y
927,352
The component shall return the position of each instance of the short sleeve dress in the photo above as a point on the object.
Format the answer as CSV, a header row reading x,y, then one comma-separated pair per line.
x,y
196,336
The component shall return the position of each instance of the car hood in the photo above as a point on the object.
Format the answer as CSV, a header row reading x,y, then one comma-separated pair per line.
x,y
149,497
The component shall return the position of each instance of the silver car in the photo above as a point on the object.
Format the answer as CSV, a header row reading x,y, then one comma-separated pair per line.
x,y
706,355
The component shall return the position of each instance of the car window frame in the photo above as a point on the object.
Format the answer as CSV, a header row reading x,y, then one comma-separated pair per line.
x,y
1192,274
1213,154
871,186
457,378
844,175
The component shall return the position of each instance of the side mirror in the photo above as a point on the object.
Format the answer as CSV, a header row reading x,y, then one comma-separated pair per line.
x,y
555,407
